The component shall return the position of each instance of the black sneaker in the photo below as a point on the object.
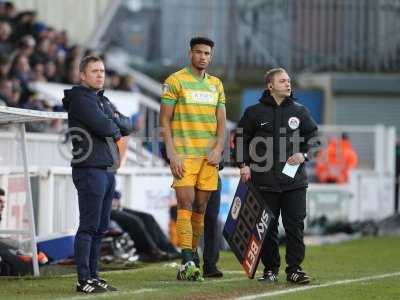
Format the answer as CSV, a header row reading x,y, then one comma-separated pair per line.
x,y
89,287
269,277
298,277
102,283
212,273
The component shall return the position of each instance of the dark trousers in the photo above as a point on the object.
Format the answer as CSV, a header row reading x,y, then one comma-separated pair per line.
x,y
211,230
154,229
144,230
292,206
10,264
95,193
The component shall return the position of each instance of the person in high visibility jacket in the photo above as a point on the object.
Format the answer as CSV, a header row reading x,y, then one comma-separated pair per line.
x,y
334,163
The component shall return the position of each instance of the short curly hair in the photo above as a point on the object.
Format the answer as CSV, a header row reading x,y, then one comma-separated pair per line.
x,y
201,40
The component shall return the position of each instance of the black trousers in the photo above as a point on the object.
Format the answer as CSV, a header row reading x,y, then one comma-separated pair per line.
x,y
144,230
292,206
154,230
144,243
10,264
211,230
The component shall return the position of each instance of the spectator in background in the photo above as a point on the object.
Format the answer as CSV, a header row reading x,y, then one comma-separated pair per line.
x,y
73,56
5,66
10,92
5,32
43,51
61,39
6,90
38,72
8,12
128,83
334,163
114,80
50,71
21,70
26,46
13,262
24,25
72,76
31,50
35,102
16,94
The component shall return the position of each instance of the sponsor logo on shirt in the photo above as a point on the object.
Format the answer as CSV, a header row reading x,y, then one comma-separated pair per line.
x,y
202,97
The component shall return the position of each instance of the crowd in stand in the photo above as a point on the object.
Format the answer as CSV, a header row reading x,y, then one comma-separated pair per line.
x,y
31,50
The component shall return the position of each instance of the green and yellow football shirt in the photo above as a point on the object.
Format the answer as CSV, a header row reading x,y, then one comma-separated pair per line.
x,y
194,123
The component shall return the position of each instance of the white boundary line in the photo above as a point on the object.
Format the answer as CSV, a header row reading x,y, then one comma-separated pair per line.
x,y
310,287
108,294
145,290
250,297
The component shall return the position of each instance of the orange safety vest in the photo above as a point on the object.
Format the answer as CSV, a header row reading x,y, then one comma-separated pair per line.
x,y
334,163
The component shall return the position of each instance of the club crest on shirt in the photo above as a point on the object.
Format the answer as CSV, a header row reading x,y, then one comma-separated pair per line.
x,y
294,123
212,88
165,88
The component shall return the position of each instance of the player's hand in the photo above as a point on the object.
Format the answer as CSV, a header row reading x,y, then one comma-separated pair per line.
x,y
214,157
245,174
296,159
176,166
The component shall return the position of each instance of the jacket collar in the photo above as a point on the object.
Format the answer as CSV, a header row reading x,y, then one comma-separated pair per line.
x,y
97,92
267,99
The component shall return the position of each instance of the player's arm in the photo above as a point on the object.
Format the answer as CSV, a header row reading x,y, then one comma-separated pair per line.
x,y
215,154
168,100
176,163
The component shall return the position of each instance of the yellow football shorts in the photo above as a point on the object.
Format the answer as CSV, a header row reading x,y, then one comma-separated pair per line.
x,y
198,173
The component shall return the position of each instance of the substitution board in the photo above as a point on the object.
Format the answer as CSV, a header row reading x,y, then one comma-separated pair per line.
x,y
246,226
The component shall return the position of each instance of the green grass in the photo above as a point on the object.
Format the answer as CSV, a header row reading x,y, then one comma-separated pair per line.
x,y
326,264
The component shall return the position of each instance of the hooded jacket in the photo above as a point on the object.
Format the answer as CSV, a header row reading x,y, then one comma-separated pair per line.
x,y
94,127
268,134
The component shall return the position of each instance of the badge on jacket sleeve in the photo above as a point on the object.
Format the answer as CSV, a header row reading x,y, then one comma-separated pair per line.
x,y
294,123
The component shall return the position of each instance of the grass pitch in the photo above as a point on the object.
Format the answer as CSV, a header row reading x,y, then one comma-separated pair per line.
x,y
368,268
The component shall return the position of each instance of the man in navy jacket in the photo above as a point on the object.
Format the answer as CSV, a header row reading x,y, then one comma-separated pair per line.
x,y
95,127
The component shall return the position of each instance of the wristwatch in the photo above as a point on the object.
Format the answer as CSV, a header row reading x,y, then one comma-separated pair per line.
x,y
242,165
305,156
